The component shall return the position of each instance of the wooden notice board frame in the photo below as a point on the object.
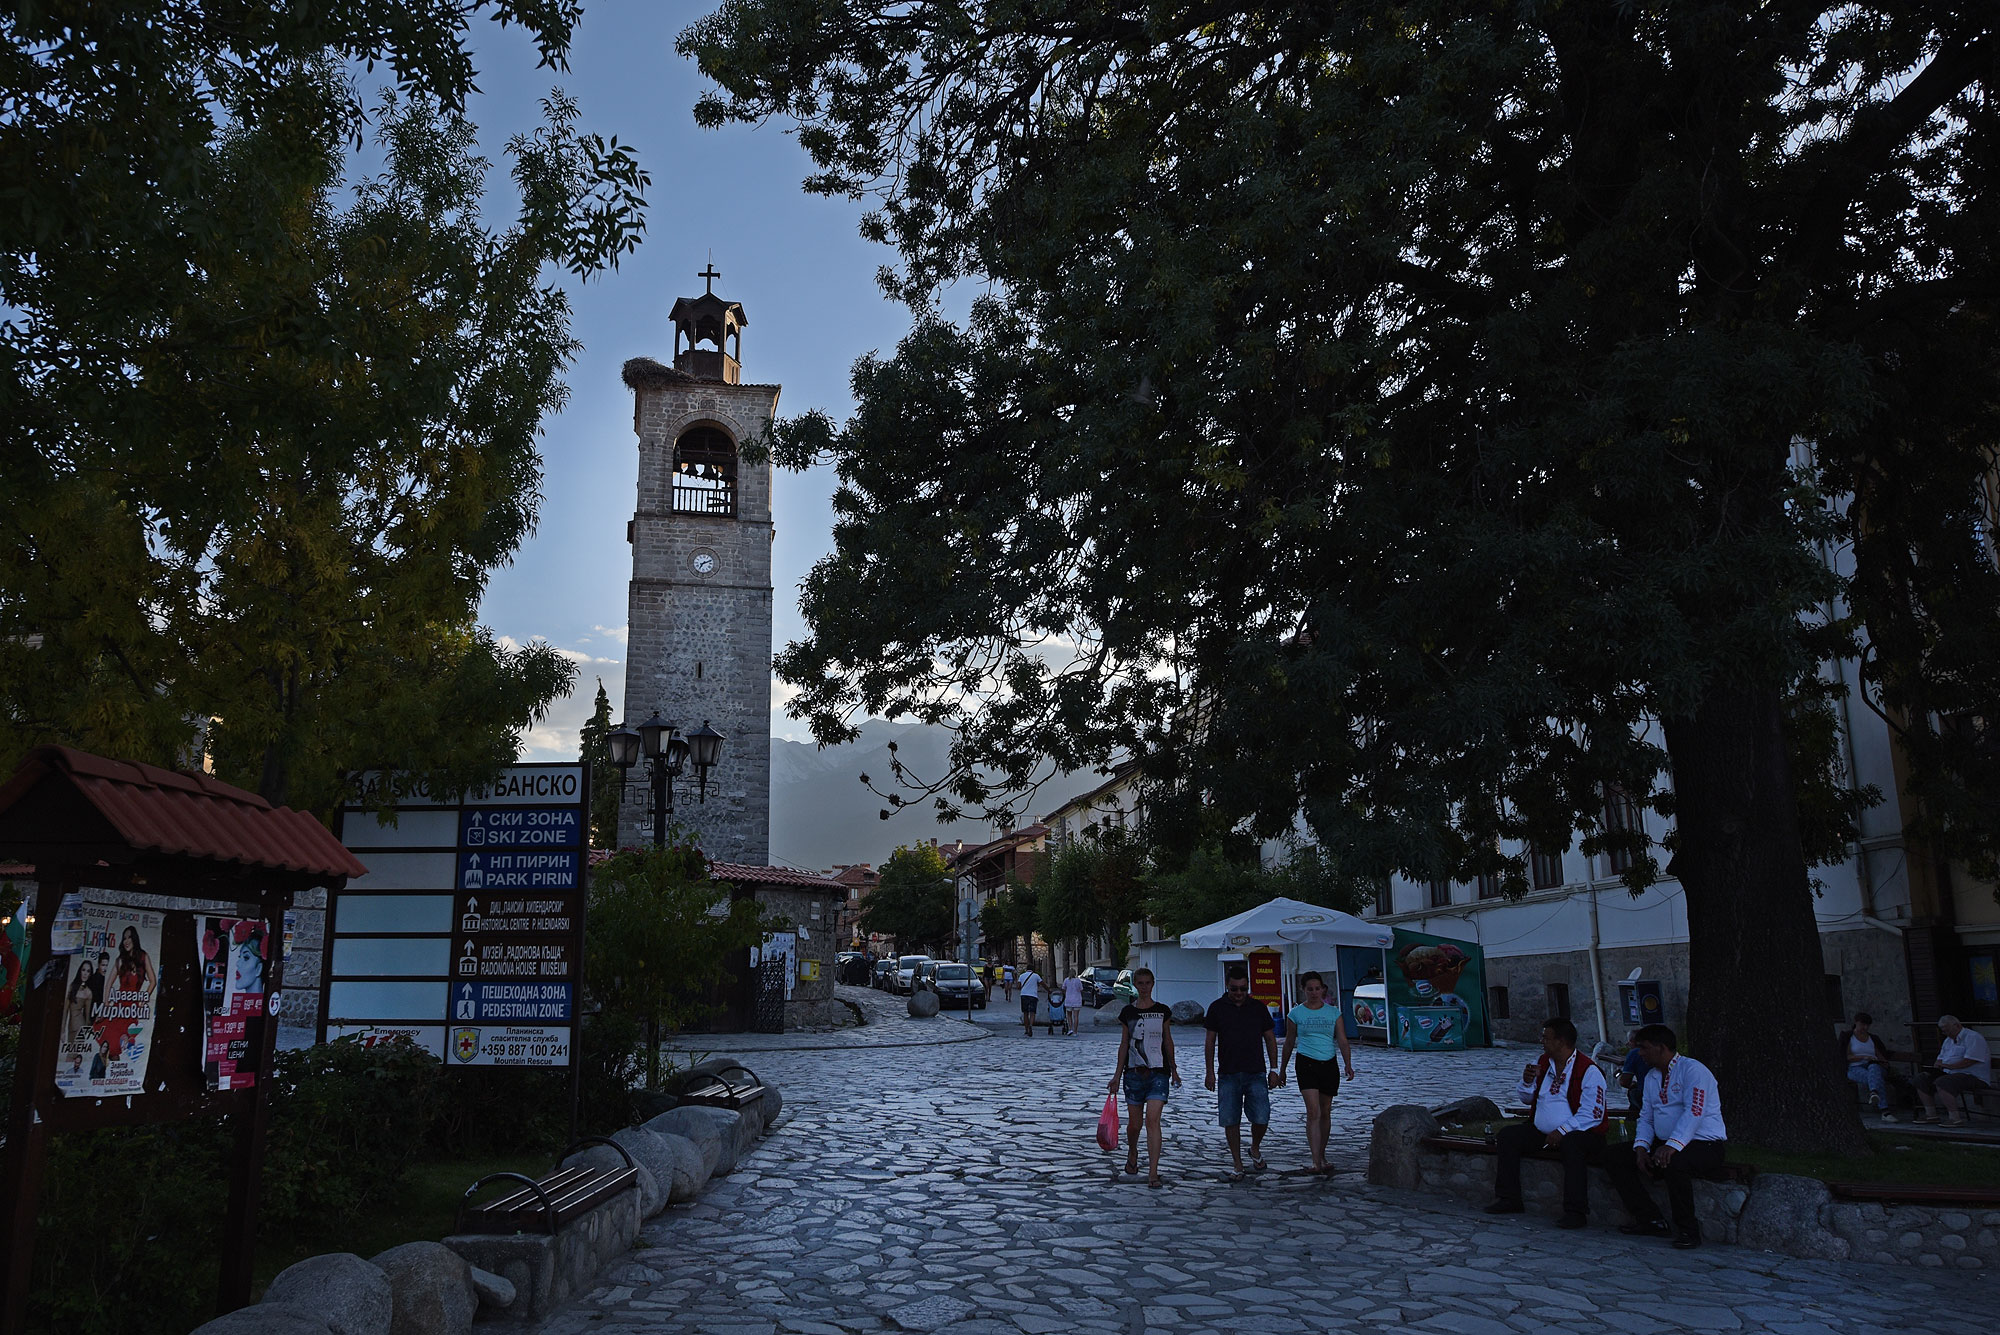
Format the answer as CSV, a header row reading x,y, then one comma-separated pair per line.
x,y
182,845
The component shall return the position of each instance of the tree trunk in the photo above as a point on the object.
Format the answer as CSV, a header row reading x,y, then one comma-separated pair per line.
x,y
1757,1006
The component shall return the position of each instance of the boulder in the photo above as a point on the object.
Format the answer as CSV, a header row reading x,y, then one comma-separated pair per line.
x,y
750,1126
491,1290
774,1103
1478,1108
689,1170
665,1162
650,1103
1788,1214
706,1127
431,1288
923,1004
266,1319
1395,1145
351,1296
652,1196
1189,1012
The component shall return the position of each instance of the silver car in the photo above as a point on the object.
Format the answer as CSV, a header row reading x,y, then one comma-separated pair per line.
x,y
907,969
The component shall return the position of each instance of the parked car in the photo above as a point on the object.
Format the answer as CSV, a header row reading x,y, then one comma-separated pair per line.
x,y
958,986
1098,981
906,973
885,974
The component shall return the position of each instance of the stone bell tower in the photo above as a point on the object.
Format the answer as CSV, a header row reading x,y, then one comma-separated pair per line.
x,y
699,640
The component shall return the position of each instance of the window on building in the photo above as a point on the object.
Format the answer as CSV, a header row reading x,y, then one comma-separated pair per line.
x,y
1499,1004
704,477
1385,902
1545,870
1489,885
1620,813
1558,1001
1440,894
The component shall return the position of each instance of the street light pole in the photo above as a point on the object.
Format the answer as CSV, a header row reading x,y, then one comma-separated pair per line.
x,y
667,752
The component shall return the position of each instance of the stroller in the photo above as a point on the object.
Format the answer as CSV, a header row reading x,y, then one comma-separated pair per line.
x,y
1055,1010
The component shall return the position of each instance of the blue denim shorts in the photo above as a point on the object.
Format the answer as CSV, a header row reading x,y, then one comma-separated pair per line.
x,y
1239,1092
1143,1086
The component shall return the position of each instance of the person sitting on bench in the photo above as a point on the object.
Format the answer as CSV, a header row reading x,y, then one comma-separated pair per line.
x,y
1680,1137
1964,1064
1567,1091
1868,1055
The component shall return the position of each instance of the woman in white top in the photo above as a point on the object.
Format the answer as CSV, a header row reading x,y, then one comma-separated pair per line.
x,y
1073,1003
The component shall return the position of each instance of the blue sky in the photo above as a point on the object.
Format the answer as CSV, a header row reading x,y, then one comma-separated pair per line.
x,y
806,281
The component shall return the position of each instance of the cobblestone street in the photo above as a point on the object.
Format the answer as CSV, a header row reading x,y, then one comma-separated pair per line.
x,y
958,1185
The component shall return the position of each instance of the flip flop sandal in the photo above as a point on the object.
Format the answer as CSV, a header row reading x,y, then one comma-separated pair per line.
x,y
1154,1182
1257,1163
1236,1176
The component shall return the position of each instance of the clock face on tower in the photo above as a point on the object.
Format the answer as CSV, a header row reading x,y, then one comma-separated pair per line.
x,y
702,563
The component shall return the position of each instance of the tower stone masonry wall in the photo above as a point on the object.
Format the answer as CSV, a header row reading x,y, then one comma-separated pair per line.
x,y
698,647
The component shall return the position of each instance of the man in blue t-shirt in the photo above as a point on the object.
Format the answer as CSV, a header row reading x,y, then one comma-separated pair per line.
x,y
1237,1028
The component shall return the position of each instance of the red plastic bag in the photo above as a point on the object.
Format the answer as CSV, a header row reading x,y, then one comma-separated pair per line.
x,y
1107,1124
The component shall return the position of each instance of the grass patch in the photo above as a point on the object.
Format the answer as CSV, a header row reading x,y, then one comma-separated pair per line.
x,y
1903,1161
425,1209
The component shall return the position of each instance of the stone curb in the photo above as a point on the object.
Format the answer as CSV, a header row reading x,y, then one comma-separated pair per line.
x,y
438,1288
846,1047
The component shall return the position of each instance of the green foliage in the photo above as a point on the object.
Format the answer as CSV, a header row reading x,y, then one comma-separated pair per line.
x,y
1094,884
1219,880
130,1228
294,408
605,777
656,944
1348,390
1211,886
913,901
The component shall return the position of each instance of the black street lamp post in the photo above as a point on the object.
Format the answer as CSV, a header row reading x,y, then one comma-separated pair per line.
x,y
667,752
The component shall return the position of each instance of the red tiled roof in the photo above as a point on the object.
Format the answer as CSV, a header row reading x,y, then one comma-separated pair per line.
x,y
171,813
742,873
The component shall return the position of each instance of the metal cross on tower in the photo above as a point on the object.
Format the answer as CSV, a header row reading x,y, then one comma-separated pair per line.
x,y
709,275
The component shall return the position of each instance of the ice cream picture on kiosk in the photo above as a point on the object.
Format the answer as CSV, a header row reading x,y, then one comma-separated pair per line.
x,y
1432,971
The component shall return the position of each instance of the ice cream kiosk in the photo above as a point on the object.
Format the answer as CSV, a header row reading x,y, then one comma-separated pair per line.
x,y
1437,993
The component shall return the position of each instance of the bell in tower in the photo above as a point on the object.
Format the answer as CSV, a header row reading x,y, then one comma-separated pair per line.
x,y
703,329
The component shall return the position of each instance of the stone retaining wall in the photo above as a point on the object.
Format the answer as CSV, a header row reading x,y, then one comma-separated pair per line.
x,y
1797,1216
428,1288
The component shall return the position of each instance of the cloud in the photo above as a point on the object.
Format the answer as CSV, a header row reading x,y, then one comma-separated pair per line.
x,y
613,632
577,656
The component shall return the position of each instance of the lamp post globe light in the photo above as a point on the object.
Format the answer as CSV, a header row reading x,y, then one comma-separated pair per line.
x,y
667,752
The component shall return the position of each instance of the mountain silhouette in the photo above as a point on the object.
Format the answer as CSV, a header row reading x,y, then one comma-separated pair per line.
x,y
822,815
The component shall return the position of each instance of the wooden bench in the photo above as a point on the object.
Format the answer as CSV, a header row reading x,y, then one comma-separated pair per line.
x,y
1890,1194
1728,1172
719,1082
545,1204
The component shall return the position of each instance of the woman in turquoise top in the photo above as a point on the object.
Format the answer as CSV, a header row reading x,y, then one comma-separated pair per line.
x,y
1314,1030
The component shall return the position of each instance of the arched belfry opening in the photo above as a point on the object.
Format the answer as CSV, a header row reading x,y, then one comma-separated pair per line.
x,y
704,476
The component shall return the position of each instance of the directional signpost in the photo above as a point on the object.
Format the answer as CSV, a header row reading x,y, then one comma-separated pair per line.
x,y
467,935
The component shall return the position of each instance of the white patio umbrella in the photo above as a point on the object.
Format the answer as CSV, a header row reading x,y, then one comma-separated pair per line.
x,y
1288,922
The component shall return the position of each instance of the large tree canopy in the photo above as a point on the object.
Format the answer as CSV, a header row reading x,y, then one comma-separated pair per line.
x,y
1426,416
269,423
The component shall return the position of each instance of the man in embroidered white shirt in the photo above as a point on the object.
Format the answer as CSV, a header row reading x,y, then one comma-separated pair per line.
x,y
1567,1092
1680,1137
